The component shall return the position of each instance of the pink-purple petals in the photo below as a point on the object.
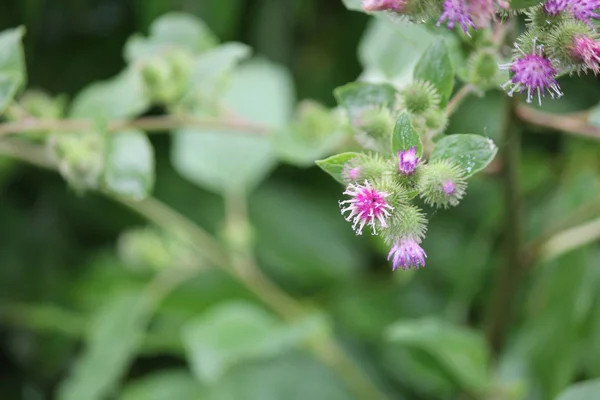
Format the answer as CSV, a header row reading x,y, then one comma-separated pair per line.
x,y
583,10
456,12
383,5
554,7
367,206
408,161
587,50
407,253
532,73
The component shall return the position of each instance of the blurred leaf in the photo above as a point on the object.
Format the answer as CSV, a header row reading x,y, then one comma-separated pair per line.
x,y
302,239
357,97
165,385
463,353
225,161
470,152
334,165
389,50
435,66
405,136
211,72
289,377
120,97
355,5
129,169
582,391
519,4
480,114
12,65
171,30
232,333
112,341
314,133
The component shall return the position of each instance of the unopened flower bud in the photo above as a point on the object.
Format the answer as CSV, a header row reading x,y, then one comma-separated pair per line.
x,y
442,184
573,43
408,161
419,97
483,69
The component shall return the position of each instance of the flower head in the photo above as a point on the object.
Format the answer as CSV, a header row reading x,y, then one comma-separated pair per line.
x,y
532,73
406,253
481,12
449,187
351,173
554,7
586,49
367,206
408,160
383,5
584,10
456,12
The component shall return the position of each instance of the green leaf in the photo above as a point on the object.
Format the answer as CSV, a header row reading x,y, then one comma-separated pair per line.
x,y
334,165
12,65
172,30
463,353
586,390
355,5
315,133
405,136
519,4
112,341
123,96
289,377
231,333
165,385
358,96
129,168
471,152
211,72
435,66
226,160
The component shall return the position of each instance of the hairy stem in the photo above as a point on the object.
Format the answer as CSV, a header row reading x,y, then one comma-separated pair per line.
x,y
460,95
575,123
148,124
509,277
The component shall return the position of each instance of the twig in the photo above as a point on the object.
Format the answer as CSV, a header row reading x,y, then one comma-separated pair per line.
x,y
148,124
572,123
509,277
462,93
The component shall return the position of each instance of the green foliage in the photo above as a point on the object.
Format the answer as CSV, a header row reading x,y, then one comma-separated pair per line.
x,y
405,136
12,65
334,165
581,391
435,66
471,152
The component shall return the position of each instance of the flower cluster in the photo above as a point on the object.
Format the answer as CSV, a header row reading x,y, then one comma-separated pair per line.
x,y
381,199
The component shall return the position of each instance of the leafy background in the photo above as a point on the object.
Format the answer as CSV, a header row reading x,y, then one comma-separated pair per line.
x,y
72,325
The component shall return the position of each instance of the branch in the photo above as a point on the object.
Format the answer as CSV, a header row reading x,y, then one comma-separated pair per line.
x,y
455,101
148,124
570,239
575,123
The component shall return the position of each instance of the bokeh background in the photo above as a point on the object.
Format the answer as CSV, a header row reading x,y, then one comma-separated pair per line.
x,y
60,264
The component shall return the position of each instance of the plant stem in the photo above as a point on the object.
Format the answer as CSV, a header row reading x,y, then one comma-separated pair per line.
x,y
511,273
148,124
455,101
324,347
575,123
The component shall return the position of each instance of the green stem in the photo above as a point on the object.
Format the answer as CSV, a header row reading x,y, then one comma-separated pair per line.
x,y
510,275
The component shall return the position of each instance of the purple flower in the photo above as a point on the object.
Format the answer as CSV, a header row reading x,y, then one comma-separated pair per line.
x,y
532,73
383,5
407,253
584,10
408,161
481,12
456,12
367,206
554,7
351,173
449,187
586,49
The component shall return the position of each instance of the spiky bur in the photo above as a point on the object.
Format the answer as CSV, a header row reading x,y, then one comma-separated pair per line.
x,y
532,73
366,167
574,44
419,97
431,123
540,21
375,126
367,205
482,67
406,229
442,184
